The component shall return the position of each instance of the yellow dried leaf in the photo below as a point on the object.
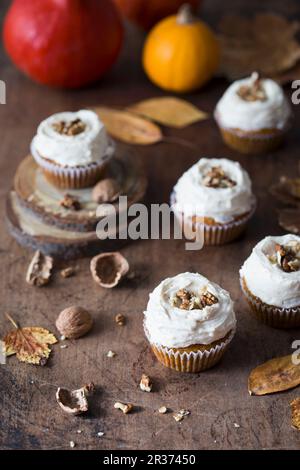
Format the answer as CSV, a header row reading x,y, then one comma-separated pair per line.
x,y
30,344
169,111
295,407
273,376
266,43
129,128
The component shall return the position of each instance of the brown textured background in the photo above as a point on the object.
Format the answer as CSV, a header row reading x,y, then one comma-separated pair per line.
x,y
30,417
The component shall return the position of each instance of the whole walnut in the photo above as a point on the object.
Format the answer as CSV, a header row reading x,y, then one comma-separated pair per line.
x,y
107,190
74,322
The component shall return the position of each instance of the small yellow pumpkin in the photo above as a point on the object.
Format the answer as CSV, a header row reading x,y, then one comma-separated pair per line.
x,y
181,53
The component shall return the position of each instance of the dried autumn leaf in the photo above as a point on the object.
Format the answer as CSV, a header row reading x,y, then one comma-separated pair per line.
x,y
287,191
266,43
273,376
289,220
295,407
30,344
169,111
128,127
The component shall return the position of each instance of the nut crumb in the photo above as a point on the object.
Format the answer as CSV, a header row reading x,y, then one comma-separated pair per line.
x,y
124,407
236,425
162,410
111,354
62,338
79,431
145,383
72,444
63,346
70,202
180,415
120,319
67,272
100,434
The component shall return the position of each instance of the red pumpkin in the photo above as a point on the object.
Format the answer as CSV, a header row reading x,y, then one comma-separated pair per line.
x,y
64,43
146,13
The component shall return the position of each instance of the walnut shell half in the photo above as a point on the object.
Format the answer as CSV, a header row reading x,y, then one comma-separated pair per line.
x,y
74,322
109,268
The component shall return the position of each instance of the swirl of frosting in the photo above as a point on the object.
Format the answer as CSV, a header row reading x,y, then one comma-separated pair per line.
x,y
266,280
90,145
193,197
232,111
168,325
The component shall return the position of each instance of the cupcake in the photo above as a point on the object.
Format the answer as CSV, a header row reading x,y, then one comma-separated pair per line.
x,y
270,280
189,322
253,115
72,149
214,199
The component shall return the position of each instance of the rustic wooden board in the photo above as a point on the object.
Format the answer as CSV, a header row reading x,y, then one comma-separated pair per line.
x,y
30,417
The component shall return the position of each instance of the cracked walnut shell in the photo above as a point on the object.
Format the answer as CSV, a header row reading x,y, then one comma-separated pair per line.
x,y
109,268
74,322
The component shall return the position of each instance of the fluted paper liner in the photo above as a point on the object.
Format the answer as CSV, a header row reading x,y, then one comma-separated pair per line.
x,y
65,177
193,361
270,315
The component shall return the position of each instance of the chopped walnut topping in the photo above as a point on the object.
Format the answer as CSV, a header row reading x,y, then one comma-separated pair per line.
x,y
145,383
287,256
124,407
254,91
120,319
217,178
180,415
70,202
189,301
74,127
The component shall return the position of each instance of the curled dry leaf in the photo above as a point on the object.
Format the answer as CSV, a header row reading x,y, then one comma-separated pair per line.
x,y
39,270
107,190
295,407
74,322
266,43
30,344
109,268
128,127
74,402
169,111
289,220
273,376
287,191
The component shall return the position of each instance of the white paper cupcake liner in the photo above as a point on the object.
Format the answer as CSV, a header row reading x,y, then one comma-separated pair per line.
x,y
217,234
193,361
270,315
73,177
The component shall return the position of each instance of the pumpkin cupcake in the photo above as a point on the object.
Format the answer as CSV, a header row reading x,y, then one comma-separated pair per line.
x,y
189,322
72,149
270,280
253,115
214,200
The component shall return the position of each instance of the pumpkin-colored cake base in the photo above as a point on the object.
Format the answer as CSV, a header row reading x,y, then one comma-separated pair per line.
x,y
252,143
270,315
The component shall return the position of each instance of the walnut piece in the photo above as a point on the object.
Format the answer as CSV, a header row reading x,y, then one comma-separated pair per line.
x,y
189,301
107,190
111,354
162,410
39,270
74,322
74,402
68,272
180,415
120,319
217,178
145,383
108,269
70,202
77,126
254,91
287,256
124,407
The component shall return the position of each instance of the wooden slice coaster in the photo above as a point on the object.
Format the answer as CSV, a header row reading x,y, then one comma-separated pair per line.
x,y
32,232
43,199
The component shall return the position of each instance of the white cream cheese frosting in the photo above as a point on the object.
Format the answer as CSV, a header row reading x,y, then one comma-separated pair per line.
x,y
267,280
232,111
91,145
168,325
192,197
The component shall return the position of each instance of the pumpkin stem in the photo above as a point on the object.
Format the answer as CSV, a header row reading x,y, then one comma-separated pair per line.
x,y
185,14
